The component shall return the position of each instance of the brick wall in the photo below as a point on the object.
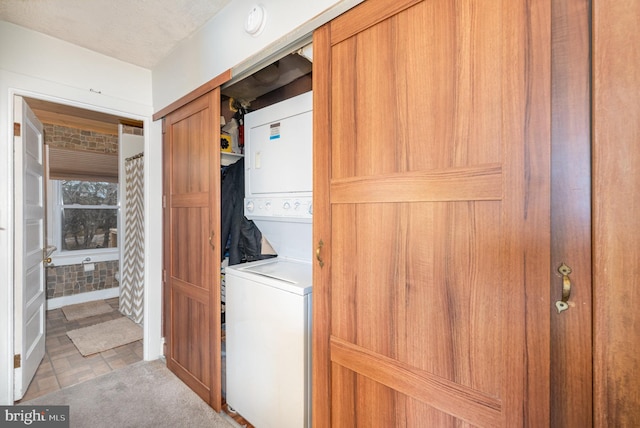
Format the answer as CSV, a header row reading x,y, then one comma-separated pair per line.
x,y
126,129
79,139
72,279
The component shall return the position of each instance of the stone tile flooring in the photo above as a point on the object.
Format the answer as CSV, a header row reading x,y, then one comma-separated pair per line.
x,y
63,365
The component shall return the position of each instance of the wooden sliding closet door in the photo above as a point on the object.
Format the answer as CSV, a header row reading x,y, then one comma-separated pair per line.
x,y
191,256
431,214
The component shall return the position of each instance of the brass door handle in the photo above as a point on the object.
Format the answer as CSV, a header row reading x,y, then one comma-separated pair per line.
x,y
562,304
318,257
211,235
47,260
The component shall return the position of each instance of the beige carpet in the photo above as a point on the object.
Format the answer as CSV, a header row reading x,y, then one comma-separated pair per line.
x,y
105,335
85,310
145,394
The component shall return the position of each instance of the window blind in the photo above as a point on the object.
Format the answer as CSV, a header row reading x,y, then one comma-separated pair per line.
x,y
67,164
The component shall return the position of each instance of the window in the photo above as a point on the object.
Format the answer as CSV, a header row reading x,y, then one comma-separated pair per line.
x,y
87,214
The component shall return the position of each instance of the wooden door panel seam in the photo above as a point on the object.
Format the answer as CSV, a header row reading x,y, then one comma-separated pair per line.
x,y
426,387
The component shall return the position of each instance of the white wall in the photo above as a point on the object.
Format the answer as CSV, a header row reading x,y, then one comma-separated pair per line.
x,y
43,67
42,57
222,43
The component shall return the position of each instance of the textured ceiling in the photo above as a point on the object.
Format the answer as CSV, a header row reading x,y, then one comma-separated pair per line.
x,y
139,32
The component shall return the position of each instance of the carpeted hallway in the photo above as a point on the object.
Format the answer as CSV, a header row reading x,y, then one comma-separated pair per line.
x,y
114,387
144,394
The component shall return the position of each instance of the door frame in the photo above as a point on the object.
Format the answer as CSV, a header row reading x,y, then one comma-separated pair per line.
x,y
616,234
152,340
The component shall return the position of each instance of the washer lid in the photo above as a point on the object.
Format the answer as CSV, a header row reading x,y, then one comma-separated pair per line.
x,y
293,276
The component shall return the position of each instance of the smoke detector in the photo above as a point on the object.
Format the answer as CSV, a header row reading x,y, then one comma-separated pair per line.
x,y
256,20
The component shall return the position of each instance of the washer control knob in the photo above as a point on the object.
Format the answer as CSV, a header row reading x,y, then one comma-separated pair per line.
x,y
250,206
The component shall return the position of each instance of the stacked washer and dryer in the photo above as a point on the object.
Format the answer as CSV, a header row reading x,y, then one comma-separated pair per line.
x,y
268,302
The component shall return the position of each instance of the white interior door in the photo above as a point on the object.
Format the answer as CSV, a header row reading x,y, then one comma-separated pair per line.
x,y
30,290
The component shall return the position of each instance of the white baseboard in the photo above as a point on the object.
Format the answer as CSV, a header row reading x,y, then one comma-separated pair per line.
x,y
89,296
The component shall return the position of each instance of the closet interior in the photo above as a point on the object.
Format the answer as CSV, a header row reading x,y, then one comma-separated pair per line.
x,y
284,242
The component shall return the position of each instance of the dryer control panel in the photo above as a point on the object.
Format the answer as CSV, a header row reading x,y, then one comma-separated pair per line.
x,y
279,208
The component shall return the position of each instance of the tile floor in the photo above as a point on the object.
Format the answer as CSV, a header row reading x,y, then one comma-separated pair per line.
x,y
63,365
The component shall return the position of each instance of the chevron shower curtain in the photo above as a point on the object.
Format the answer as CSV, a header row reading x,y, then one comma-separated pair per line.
x,y
132,277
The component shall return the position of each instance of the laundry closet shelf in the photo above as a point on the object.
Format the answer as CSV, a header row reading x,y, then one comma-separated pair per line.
x,y
227,158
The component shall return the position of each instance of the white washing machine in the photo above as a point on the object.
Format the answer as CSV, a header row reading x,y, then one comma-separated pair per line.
x,y
268,342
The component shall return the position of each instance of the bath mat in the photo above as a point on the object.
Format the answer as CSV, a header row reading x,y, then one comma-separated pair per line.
x,y
86,310
105,335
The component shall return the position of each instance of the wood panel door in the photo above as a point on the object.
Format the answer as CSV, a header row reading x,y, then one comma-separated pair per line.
x,y
191,257
30,300
432,215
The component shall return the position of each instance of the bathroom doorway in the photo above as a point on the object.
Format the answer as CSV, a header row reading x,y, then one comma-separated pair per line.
x,y
85,203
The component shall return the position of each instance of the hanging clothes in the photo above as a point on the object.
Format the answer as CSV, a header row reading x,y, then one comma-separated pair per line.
x,y
243,237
